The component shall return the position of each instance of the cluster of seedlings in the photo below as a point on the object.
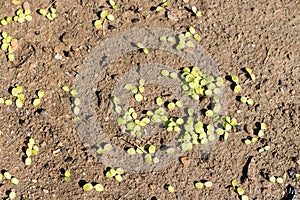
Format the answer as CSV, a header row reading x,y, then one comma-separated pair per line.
x,y
9,44
239,190
50,14
97,186
75,101
6,175
104,14
31,149
115,173
183,41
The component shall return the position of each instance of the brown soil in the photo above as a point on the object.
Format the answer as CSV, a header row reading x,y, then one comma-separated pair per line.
x,y
237,34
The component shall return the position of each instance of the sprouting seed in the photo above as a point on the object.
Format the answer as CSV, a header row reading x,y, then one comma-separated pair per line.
x,y
12,195
244,197
15,181
263,126
28,161
240,191
260,133
41,93
88,187
7,175
209,113
171,189
279,180
36,102
237,88
76,110
73,93
197,37
138,97
190,44
173,75
152,149
155,160
107,147
171,106
250,102
65,88
76,101
192,30
235,79
165,72
272,179
131,151
110,17
98,23
170,151
163,38
171,39
199,185
98,187
118,178
146,51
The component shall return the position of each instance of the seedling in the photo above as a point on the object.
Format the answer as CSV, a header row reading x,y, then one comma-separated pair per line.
x,y
250,140
67,175
265,148
196,12
9,45
113,4
162,6
141,46
117,174
8,176
274,179
32,149
252,76
88,187
170,188
103,15
239,190
246,100
50,14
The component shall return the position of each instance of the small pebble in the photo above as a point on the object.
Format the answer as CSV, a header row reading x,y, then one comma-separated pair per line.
x,y
46,166
37,32
111,27
135,20
69,159
292,173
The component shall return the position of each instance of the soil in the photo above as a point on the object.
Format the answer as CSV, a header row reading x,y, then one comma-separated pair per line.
x,y
261,35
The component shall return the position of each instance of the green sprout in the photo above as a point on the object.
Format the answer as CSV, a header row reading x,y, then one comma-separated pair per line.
x,y
239,190
103,15
170,188
274,179
115,173
165,72
196,12
151,149
67,175
88,187
141,46
12,194
246,100
32,149
252,76
113,4
162,6
50,14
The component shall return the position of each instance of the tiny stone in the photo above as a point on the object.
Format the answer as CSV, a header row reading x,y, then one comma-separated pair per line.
x,y
184,160
69,159
46,166
135,20
37,32
111,27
